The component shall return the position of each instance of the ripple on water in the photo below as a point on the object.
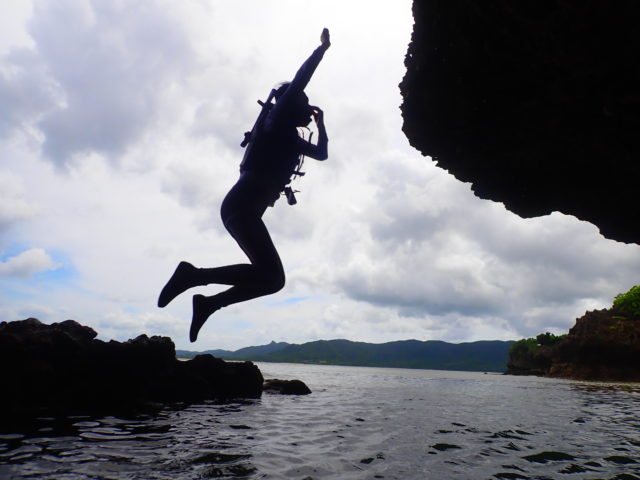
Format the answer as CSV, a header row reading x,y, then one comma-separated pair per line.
x,y
21,453
105,436
544,457
219,465
86,424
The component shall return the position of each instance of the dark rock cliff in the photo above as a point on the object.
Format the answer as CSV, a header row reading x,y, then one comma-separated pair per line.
x,y
62,368
602,345
535,102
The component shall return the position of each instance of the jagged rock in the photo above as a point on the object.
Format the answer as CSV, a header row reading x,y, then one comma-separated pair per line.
x,y
225,379
602,345
533,102
286,387
63,368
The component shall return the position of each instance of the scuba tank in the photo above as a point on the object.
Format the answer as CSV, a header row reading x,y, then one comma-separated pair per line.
x,y
251,138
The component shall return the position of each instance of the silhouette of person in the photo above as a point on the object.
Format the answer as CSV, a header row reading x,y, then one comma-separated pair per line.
x,y
269,163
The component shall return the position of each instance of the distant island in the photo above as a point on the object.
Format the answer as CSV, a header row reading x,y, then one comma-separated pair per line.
x,y
481,356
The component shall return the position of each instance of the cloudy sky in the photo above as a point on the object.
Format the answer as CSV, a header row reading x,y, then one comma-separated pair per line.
x,y
119,136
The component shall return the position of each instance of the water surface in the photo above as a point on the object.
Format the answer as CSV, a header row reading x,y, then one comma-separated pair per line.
x,y
359,423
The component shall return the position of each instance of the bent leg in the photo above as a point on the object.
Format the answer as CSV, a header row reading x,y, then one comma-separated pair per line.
x,y
264,273
264,276
187,276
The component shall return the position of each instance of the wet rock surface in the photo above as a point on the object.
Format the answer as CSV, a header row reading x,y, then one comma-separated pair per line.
x,y
63,368
534,103
286,387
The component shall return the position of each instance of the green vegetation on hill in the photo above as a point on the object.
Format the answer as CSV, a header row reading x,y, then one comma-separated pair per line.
x,y
531,356
490,356
628,302
531,346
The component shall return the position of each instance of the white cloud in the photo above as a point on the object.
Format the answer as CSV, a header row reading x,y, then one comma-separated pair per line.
x,y
27,263
26,91
14,207
111,61
13,33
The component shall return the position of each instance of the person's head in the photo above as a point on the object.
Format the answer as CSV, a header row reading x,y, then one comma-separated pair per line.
x,y
301,111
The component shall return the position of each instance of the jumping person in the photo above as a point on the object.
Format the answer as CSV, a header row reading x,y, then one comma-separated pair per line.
x,y
270,160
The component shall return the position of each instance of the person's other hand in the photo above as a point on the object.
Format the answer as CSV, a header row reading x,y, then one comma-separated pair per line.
x,y
325,39
318,114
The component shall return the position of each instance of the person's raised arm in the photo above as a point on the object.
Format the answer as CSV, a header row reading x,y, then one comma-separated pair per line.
x,y
304,73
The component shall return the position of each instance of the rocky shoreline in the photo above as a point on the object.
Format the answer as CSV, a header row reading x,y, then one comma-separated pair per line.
x,y
603,345
62,368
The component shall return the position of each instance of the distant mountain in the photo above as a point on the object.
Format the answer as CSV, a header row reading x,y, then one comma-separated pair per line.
x,y
245,353
215,353
261,350
489,356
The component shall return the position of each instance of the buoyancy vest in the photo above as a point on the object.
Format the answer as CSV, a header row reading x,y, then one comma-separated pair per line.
x,y
272,152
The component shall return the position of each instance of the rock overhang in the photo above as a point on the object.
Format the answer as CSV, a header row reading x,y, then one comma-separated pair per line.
x,y
534,103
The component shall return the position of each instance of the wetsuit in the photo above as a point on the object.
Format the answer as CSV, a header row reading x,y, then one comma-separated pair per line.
x,y
263,175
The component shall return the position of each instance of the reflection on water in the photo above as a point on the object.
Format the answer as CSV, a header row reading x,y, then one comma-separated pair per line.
x,y
360,423
173,444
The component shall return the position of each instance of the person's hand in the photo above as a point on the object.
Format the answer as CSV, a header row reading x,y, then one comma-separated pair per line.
x,y
318,115
324,38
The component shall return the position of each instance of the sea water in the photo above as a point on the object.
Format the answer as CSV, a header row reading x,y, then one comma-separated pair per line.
x,y
359,423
